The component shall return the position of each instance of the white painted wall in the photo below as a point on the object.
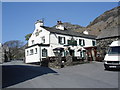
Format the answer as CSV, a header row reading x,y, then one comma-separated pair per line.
x,y
38,39
32,58
54,43
36,57
52,39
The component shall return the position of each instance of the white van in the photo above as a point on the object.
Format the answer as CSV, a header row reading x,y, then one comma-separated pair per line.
x,y
112,58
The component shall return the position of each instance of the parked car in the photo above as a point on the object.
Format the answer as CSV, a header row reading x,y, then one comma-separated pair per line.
x,y
112,58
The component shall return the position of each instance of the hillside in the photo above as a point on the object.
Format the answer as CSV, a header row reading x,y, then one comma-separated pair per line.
x,y
74,27
107,20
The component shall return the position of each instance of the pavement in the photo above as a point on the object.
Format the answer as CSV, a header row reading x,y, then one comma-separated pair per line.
x,y
16,74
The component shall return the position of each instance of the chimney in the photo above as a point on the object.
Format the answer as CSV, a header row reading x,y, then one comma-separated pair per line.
x,y
39,23
60,25
86,32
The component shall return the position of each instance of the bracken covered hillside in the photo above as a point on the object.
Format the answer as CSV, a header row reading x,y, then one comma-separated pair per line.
x,y
107,20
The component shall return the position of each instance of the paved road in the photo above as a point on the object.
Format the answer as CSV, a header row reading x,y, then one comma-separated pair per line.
x,y
92,75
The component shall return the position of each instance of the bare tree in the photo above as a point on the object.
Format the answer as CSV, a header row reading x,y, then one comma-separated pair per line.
x,y
14,49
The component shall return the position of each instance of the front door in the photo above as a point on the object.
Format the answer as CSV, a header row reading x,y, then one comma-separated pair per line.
x,y
72,53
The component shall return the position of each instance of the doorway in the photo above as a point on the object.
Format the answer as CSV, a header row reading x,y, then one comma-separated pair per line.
x,y
72,53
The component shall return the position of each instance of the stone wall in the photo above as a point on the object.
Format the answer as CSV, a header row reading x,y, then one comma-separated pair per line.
x,y
2,58
59,62
103,45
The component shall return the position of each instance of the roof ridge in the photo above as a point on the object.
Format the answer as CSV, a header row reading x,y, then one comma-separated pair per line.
x,y
68,32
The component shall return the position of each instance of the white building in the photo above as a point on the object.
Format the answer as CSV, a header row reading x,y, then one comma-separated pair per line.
x,y
48,41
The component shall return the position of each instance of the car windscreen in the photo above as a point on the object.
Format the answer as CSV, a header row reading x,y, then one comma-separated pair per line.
x,y
114,50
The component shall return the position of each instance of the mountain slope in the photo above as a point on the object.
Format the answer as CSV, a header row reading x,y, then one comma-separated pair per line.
x,y
73,27
107,20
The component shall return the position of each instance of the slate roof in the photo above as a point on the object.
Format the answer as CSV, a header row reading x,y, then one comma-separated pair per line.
x,y
38,45
68,32
110,32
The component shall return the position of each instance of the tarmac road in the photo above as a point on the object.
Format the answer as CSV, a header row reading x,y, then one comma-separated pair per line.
x,y
91,75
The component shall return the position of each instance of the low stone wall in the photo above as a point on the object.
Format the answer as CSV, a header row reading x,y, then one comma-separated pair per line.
x,y
103,45
54,62
60,62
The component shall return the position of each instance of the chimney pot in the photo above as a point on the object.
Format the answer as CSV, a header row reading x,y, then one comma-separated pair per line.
x,y
60,25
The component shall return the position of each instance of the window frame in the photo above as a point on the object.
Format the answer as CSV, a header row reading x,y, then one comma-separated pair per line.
x,y
31,51
61,40
44,52
27,52
33,41
93,43
43,39
36,50
81,42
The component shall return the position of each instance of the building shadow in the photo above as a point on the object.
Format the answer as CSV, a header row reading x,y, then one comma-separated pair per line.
x,y
14,74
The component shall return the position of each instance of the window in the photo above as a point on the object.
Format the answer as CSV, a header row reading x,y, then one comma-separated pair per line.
x,y
31,52
75,43
83,54
93,43
32,41
35,50
81,42
43,39
114,50
27,52
66,53
68,42
37,32
44,52
61,40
